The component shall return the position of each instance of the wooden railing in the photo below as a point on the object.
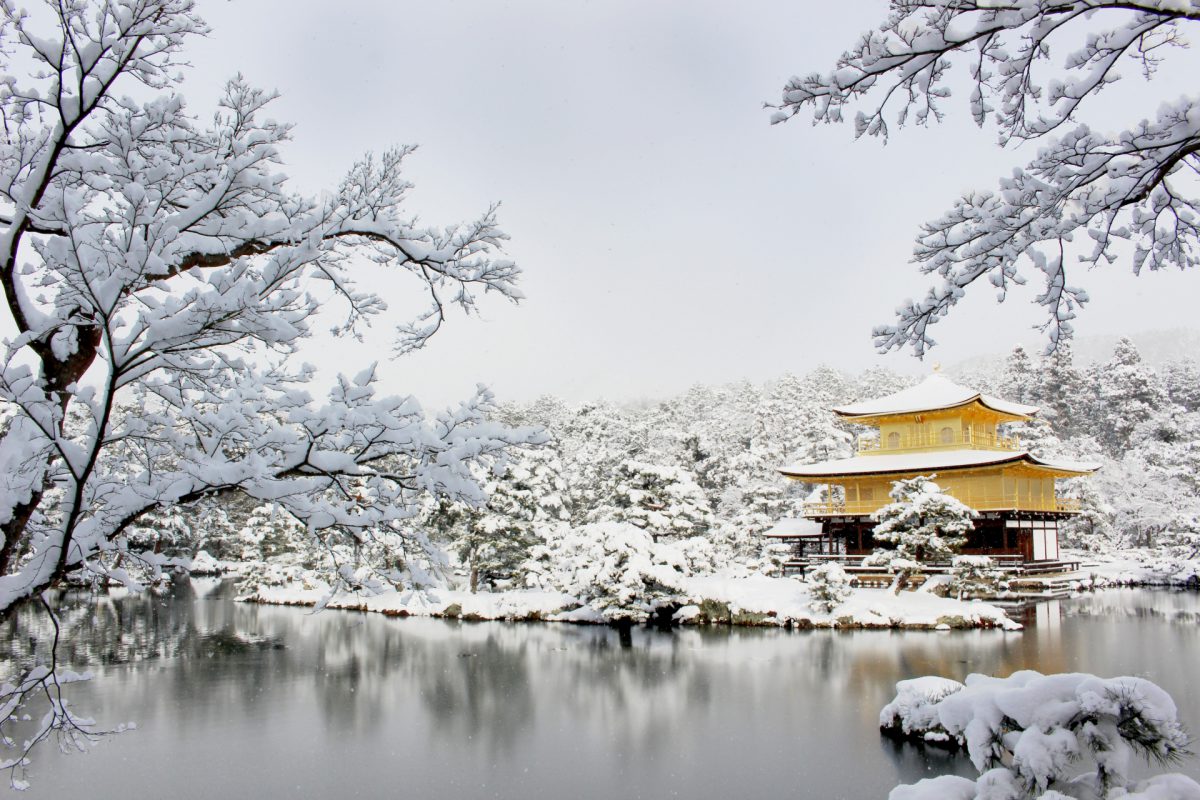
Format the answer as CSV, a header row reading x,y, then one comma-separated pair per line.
x,y
852,508
933,441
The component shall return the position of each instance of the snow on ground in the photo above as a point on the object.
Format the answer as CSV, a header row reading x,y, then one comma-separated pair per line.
x,y
754,600
1134,568
784,600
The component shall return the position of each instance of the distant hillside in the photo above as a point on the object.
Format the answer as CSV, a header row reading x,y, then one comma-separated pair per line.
x,y
1157,348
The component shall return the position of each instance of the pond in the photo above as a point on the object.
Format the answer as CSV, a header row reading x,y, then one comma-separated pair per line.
x,y
240,700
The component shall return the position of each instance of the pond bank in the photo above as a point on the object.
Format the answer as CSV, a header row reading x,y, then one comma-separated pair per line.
x,y
754,601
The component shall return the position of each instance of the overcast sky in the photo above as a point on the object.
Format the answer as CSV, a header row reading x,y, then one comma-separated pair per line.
x,y
668,234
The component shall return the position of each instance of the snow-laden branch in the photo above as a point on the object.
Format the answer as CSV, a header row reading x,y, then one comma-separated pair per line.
x,y
155,269
1137,186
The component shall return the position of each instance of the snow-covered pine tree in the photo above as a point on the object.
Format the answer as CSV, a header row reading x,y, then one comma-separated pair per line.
x,y
1038,436
1092,527
876,382
494,541
270,532
162,530
975,576
1128,392
1181,379
828,587
664,501
1050,724
922,523
594,440
613,568
1059,391
1019,383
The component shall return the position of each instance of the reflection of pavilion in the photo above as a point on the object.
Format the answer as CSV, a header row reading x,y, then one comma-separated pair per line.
x,y
937,428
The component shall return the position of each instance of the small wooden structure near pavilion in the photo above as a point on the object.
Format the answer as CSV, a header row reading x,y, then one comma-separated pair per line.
x,y
940,428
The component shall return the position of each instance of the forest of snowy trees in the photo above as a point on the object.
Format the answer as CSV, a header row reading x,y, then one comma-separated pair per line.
x,y
699,471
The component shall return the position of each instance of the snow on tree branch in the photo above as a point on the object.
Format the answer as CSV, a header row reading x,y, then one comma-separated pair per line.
x,y
1137,187
157,271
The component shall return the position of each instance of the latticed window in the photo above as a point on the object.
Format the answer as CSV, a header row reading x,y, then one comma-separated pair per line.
x,y
947,435
893,440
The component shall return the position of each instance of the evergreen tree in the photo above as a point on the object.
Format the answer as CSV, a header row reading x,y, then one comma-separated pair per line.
x,y
1058,391
164,530
663,500
594,440
828,587
1020,380
270,532
1181,379
876,382
1092,527
615,569
494,540
922,523
1127,393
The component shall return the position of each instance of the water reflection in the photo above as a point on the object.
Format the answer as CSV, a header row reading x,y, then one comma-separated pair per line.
x,y
246,699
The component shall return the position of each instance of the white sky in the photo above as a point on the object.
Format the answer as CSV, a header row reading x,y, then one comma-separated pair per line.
x,y
669,235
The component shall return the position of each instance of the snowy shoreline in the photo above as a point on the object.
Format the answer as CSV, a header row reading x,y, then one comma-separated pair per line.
x,y
737,600
755,601
1133,568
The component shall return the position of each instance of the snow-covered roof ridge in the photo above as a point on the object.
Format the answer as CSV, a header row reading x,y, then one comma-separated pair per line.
x,y
929,461
793,528
934,393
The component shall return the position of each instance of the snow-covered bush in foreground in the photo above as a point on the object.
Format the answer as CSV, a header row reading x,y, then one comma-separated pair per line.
x,y
828,586
613,568
1026,732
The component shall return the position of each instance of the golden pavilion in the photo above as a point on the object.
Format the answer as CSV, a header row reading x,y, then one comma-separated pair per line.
x,y
954,433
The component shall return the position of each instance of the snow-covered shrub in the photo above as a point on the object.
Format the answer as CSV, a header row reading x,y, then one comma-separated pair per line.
x,y
613,568
904,569
700,555
828,586
975,576
774,555
204,564
1025,733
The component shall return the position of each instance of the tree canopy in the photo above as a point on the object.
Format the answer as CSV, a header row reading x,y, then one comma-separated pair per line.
x,y
156,272
1035,67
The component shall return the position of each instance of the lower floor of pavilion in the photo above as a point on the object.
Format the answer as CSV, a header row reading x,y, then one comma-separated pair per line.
x,y
1027,536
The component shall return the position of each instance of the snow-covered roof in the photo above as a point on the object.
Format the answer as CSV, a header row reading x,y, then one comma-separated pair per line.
x,y
931,394
793,528
930,461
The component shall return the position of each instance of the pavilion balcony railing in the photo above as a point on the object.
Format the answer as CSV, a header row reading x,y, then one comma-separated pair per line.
x,y
854,508
958,440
